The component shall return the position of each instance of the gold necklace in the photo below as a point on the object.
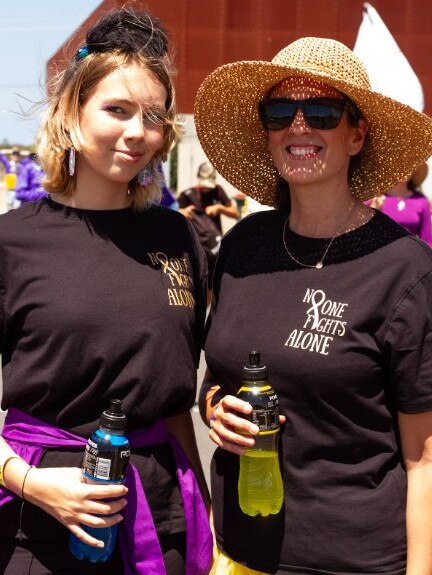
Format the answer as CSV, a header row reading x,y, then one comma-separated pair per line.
x,y
320,262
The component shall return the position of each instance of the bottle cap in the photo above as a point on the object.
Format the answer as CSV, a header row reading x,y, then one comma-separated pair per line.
x,y
113,417
254,371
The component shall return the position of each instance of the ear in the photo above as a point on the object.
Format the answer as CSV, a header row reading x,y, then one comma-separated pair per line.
x,y
358,138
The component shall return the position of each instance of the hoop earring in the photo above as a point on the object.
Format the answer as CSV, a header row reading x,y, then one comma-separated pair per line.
x,y
72,158
145,176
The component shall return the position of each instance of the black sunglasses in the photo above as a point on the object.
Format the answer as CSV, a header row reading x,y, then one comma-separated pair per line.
x,y
319,113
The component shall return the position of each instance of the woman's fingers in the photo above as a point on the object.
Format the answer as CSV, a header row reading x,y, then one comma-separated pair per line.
x,y
99,521
64,494
101,491
105,508
85,537
233,446
230,430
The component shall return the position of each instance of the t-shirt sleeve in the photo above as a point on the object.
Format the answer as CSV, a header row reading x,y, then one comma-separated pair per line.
x,y
183,201
223,197
408,348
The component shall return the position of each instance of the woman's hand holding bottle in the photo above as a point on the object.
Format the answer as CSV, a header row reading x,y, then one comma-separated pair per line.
x,y
64,493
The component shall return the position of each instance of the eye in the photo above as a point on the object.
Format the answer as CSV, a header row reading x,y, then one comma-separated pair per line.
x,y
115,110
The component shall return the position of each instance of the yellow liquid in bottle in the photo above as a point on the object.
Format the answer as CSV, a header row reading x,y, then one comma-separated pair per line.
x,y
260,483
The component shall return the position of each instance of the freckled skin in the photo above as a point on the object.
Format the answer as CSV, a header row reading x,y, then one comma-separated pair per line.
x,y
328,151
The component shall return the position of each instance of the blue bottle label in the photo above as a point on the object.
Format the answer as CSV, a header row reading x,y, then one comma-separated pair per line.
x,y
104,461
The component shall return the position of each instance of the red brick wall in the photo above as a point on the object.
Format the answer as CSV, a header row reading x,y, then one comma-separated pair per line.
x,y
208,33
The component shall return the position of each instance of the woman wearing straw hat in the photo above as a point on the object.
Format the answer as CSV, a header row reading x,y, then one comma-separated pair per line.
x,y
337,297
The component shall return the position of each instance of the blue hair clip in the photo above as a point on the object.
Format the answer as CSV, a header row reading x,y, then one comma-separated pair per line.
x,y
82,53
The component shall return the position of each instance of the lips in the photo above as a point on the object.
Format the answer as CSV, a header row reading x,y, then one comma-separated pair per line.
x,y
303,152
129,156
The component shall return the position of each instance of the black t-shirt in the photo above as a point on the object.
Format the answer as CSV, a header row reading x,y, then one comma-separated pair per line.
x,y
347,346
204,197
99,305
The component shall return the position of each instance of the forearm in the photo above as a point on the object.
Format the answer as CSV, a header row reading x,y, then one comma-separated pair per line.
x,y
210,395
14,468
230,211
419,520
181,426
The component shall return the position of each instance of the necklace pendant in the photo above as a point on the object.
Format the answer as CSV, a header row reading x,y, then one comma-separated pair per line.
x,y
319,265
401,205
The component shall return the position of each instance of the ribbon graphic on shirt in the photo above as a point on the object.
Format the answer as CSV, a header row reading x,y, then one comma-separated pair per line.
x,y
177,270
324,322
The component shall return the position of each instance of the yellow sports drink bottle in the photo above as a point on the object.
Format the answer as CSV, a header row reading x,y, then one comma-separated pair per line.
x,y
260,483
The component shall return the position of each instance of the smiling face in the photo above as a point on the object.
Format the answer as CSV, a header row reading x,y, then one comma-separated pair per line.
x,y
122,125
304,155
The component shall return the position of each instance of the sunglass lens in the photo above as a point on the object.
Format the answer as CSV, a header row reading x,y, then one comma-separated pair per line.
x,y
277,114
319,113
323,114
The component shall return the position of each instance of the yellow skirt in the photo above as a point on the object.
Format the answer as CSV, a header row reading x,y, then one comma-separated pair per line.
x,y
223,565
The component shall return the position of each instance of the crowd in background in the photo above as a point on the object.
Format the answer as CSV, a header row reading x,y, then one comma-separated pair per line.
x,y
23,178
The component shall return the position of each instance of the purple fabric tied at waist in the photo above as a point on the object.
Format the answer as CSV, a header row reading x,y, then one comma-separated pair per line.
x,y
139,543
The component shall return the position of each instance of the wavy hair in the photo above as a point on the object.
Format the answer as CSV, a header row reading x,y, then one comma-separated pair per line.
x,y
121,39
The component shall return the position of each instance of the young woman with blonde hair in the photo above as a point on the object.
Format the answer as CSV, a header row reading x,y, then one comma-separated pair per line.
x,y
103,296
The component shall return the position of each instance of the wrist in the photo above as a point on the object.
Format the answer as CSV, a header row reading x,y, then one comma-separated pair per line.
x,y
14,475
23,485
3,466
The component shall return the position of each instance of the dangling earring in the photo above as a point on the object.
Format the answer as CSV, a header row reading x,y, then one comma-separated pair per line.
x,y
72,157
145,176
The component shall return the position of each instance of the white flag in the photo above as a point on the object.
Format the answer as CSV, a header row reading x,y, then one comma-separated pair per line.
x,y
389,71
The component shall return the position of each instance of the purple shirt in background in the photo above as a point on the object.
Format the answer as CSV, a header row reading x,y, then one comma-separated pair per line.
x,y
413,213
28,186
5,161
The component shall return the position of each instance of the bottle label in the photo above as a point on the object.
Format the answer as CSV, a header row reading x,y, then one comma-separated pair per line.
x,y
106,462
265,406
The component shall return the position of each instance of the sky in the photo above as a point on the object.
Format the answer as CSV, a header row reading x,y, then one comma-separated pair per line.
x,y
31,31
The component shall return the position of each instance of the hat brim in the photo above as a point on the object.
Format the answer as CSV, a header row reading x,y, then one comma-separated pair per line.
x,y
228,126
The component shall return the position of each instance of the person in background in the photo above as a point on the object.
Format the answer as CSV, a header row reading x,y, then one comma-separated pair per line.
x,y
203,205
6,163
15,161
29,181
208,197
13,168
407,205
103,297
337,297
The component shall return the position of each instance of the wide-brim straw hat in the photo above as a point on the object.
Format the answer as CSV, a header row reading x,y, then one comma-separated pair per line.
x,y
229,128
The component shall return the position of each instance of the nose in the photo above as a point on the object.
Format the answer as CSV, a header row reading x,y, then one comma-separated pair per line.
x,y
134,128
299,124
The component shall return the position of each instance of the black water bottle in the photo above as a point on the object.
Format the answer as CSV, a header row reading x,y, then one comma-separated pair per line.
x,y
105,461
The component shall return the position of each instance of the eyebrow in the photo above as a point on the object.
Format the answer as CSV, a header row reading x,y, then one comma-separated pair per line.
x,y
124,101
117,101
